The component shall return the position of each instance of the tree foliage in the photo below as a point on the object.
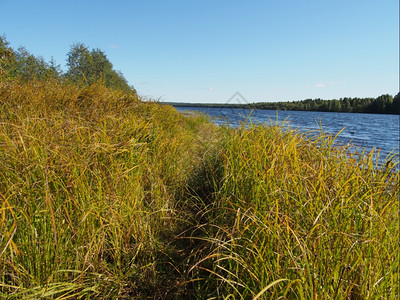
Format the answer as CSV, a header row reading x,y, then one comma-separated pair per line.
x,y
7,57
83,66
25,66
384,104
92,66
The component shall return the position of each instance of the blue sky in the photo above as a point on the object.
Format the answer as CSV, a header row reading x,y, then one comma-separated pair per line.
x,y
205,51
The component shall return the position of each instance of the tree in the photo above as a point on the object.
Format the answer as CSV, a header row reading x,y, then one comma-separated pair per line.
x,y
83,66
54,70
396,104
23,65
93,66
336,106
79,63
29,67
7,57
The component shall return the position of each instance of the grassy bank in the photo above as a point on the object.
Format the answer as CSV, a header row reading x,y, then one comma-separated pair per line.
x,y
89,183
294,218
105,196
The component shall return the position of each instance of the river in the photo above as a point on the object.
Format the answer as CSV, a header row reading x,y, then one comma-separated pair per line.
x,y
364,131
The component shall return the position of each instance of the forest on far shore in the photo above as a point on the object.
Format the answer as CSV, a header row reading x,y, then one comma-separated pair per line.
x,y
384,104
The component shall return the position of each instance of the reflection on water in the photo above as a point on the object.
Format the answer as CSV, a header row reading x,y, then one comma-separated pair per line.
x,y
366,131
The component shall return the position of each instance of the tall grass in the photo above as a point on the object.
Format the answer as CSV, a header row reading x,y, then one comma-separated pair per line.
x,y
105,196
297,218
89,179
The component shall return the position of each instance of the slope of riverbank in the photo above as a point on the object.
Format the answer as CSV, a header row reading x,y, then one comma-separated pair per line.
x,y
105,196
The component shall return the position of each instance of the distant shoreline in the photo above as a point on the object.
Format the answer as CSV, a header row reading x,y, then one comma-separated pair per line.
x,y
384,104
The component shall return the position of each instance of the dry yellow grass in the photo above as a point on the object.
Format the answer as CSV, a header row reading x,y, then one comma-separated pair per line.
x,y
105,196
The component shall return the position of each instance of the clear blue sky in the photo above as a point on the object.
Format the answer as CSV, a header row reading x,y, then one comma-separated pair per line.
x,y
205,51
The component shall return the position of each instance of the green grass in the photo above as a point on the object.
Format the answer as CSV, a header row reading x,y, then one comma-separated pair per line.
x,y
104,196
89,180
297,218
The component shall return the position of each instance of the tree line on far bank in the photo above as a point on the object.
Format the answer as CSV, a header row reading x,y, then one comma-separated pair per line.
x,y
384,104
84,66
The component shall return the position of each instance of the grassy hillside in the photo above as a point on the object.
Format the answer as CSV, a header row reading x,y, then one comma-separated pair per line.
x,y
105,196
89,183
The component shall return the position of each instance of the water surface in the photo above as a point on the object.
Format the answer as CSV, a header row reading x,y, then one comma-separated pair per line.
x,y
365,131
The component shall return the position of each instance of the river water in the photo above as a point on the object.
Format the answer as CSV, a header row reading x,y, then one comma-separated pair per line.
x,y
364,131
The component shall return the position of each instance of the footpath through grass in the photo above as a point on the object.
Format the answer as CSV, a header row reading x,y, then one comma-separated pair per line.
x,y
294,218
104,196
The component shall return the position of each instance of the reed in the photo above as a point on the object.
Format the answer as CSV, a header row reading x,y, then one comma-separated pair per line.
x,y
89,179
298,218
106,196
